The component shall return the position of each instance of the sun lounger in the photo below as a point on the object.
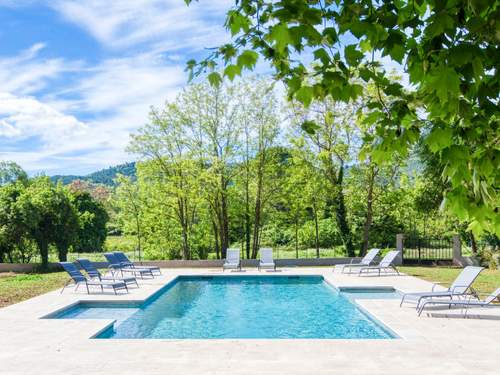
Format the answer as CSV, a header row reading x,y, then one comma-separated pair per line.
x,y
79,279
386,265
122,258
469,302
95,274
233,260
459,287
266,259
116,266
367,260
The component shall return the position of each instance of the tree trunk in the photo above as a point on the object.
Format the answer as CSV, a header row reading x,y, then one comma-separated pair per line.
x,y
248,225
296,237
256,227
473,244
43,246
225,219
316,229
216,238
369,213
341,214
62,253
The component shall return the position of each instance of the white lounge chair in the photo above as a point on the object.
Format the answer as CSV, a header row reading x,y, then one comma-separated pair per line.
x,y
470,302
366,261
459,287
386,264
266,259
233,261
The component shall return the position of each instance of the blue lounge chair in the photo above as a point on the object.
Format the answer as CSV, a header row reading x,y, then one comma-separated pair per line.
x,y
79,279
459,287
122,258
116,266
95,274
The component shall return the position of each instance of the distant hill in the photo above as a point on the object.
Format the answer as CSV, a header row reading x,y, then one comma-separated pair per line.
x,y
104,176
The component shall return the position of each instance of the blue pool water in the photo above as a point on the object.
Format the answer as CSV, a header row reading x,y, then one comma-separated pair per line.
x,y
239,307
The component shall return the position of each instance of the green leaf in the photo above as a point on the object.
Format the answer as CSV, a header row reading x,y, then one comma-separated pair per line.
x,y
236,22
445,82
352,55
231,71
309,127
304,95
247,59
215,79
281,36
439,139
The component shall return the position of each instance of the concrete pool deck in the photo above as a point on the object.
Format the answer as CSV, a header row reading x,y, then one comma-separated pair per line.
x,y
439,342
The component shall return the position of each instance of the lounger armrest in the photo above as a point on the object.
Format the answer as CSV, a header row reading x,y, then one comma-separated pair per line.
x,y
435,284
452,290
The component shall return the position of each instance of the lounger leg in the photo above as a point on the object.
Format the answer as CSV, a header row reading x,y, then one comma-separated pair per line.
x,y
65,285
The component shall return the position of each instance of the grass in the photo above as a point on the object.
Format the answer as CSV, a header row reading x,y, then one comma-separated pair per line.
x,y
487,281
19,287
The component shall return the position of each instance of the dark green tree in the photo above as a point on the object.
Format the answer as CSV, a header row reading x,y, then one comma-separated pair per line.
x,y
56,218
92,219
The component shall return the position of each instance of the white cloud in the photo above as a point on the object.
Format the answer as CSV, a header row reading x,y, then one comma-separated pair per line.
x,y
26,73
125,23
23,117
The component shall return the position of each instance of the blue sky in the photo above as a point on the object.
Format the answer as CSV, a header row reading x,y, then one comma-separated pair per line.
x,y
77,76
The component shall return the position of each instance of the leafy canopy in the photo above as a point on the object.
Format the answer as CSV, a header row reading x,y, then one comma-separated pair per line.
x,y
448,49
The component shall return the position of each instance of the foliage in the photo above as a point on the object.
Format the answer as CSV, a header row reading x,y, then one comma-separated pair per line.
x,y
92,219
448,49
11,172
36,215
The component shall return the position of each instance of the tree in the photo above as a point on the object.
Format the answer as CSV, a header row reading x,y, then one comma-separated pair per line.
x,y
92,219
164,142
11,172
128,200
17,217
210,115
330,132
56,221
447,49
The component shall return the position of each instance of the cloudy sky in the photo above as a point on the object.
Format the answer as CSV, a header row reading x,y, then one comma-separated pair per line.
x,y
77,76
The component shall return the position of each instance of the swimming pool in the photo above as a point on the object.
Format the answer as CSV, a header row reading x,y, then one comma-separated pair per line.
x,y
217,307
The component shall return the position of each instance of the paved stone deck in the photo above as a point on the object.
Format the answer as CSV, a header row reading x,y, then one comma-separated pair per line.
x,y
439,342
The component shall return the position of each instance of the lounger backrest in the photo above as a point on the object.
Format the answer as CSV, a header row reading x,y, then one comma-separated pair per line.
x,y
493,296
232,256
465,279
370,256
111,258
266,255
389,258
73,271
88,267
121,257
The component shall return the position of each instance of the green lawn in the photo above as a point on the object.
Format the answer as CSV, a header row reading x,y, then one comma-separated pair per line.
x,y
19,287
487,281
